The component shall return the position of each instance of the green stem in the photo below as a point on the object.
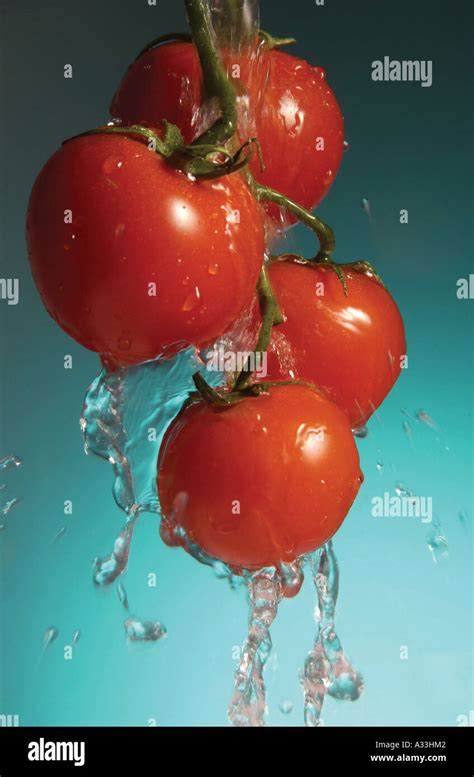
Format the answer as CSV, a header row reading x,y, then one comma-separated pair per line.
x,y
323,232
217,84
273,43
271,315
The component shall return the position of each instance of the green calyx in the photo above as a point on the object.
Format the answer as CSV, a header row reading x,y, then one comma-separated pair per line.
x,y
166,146
221,398
200,161
363,267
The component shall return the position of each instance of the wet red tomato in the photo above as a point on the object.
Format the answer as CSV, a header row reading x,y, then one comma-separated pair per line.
x,y
350,346
298,120
164,83
262,482
131,257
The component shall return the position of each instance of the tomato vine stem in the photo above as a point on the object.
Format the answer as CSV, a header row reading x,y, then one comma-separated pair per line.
x,y
323,232
271,315
217,84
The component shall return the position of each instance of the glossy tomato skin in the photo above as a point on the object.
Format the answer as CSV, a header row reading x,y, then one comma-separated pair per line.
x,y
301,132
349,346
152,261
262,482
164,83
297,117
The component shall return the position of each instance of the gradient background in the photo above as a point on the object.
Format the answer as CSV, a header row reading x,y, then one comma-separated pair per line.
x,y
410,148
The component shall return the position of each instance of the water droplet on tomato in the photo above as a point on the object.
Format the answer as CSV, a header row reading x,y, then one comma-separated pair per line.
x,y
192,300
124,344
360,431
213,269
346,146
111,165
328,177
119,230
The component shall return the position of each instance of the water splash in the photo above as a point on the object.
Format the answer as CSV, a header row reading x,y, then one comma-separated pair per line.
x,y
108,569
247,706
326,669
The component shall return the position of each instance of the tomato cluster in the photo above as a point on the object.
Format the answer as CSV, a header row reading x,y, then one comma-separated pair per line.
x,y
136,259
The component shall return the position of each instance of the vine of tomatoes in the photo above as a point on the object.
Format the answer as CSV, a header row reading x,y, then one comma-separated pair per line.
x,y
148,235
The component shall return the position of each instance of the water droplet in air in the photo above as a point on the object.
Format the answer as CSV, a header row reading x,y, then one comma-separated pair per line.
x,y
144,631
437,542
402,490
286,707
58,535
346,146
8,506
365,205
8,462
50,636
122,595
407,429
380,464
424,418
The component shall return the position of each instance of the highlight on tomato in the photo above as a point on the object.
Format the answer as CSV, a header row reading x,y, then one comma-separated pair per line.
x,y
263,481
131,257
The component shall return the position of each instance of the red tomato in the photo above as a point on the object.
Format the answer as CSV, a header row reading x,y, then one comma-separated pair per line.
x,y
350,346
298,120
164,83
150,259
263,481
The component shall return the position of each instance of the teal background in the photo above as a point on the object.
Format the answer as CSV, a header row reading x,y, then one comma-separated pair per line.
x,y
410,147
